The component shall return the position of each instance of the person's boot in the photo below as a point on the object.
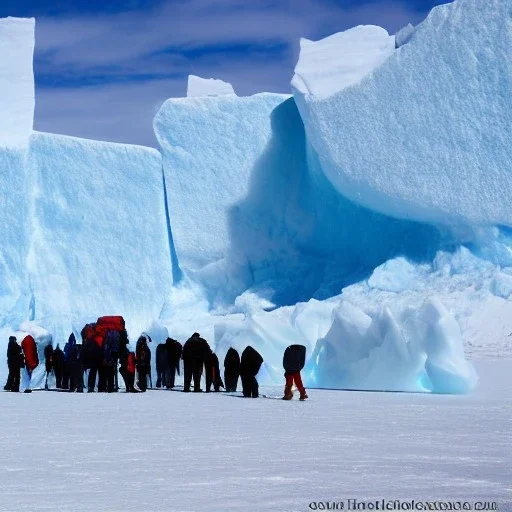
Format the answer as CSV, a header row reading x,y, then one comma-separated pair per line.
x,y
288,393
303,395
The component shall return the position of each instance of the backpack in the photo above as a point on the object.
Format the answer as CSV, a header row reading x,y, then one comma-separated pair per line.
x,y
29,347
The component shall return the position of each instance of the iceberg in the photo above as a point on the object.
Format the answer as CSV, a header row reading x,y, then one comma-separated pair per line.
x,y
17,95
422,132
421,351
199,87
357,217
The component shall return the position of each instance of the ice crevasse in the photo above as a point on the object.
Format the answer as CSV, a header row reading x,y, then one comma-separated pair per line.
x,y
358,217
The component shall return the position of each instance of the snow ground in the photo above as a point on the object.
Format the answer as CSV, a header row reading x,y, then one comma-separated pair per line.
x,y
172,451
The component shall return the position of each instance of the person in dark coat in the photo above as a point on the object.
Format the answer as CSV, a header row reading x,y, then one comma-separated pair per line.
x,y
76,370
123,360
231,370
250,365
174,351
15,362
162,367
48,362
213,374
68,347
111,348
196,353
293,361
58,366
143,358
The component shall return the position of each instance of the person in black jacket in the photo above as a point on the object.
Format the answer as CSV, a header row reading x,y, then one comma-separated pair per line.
x,y
174,351
75,368
293,361
15,361
111,347
250,364
196,353
143,357
213,374
48,362
162,367
231,370
58,366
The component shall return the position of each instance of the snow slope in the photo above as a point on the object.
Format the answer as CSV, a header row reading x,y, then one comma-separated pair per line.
x,y
17,96
216,452
424,134
98,236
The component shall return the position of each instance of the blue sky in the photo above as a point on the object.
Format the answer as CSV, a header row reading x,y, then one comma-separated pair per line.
x,y
103,67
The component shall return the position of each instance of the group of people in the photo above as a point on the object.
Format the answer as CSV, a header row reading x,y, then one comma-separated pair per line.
x,y
104,352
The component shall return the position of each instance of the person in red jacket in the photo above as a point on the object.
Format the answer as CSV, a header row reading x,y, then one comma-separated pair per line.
x,y
130,373
293,361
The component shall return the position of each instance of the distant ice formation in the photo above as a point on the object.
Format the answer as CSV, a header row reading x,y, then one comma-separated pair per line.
x,y
200,87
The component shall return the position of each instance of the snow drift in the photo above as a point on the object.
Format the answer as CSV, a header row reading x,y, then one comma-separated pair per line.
x,y
424,133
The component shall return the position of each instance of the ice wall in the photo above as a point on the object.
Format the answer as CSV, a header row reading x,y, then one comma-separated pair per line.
x,y
14,286
250,206
16,81
210,147
424,134
98,235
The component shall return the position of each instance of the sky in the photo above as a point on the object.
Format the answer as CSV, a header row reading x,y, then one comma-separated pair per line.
x,y
103,67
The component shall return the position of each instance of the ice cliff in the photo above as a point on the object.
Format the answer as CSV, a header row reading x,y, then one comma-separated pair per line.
x,y
424,133
365,217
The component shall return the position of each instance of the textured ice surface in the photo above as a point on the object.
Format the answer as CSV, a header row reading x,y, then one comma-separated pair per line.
x,y
404,35
17,100
14,286
340,61
208,167
433,118
99,241
198,87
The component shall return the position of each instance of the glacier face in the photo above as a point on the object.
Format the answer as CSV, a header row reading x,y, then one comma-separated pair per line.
x,y
98,241
17,96
278,218
431,119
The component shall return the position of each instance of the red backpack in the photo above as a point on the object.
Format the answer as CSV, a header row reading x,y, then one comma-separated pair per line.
x,y
105,324
29,347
